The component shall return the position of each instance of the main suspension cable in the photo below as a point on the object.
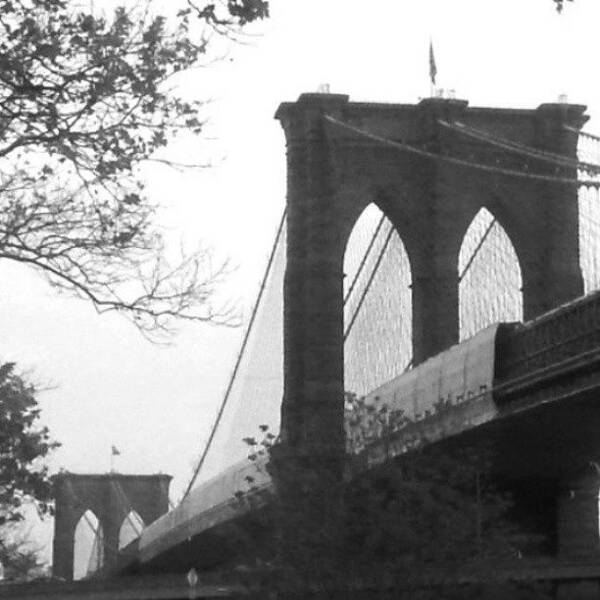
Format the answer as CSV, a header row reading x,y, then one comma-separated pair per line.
x,y
586,134
523,149
240,356
127,507
364,259
477,249
369,282
459,161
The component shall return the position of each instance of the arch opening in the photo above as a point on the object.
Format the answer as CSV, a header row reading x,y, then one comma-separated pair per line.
x,y
489,274
88,552
589,237
131,528
377,304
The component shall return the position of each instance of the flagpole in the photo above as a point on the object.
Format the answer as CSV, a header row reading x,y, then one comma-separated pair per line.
x,y
114,451
432,68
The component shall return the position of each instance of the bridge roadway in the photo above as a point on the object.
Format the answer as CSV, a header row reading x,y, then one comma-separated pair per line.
x,y
529,387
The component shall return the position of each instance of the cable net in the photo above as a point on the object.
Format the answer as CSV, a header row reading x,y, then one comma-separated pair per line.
x,y
377,321
257,388
378,308
588,149
88,546
378,311
377,348
489,287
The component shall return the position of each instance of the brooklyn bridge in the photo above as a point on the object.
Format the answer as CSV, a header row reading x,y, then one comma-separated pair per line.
x,y
436,259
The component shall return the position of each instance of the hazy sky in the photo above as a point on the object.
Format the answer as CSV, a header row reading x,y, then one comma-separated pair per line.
x,y
156,404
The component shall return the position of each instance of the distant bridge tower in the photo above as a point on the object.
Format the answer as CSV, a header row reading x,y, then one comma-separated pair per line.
x,y
110,497
334,172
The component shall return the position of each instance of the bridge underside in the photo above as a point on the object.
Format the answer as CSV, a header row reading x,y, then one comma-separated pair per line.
x,y
553,438
549,432
541,445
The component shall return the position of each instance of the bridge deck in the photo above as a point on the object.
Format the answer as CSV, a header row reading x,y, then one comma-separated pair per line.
x,y
529,413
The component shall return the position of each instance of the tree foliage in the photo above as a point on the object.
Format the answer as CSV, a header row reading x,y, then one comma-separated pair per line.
x,y
560,4
20,560
85,99
23,446
407,523
24,481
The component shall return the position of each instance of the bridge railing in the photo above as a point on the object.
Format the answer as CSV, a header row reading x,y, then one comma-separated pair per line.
x,y
566,332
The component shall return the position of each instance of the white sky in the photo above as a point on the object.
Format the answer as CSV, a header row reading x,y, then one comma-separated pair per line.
x,y
157,404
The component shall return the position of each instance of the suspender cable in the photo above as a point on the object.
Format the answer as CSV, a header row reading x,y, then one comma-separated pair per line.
x,y
239,357
364,259
477,249
369,282
460,161
91,567
512,146
127,507
583,133
380,257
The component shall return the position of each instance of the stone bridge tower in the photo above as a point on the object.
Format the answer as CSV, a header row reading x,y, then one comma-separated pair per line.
x,y
110,497
335,172
431,197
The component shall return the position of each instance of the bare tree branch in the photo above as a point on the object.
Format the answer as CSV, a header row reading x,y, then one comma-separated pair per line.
x,y
84,100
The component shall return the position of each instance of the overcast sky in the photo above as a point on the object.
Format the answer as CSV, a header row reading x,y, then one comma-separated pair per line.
x,y
156,404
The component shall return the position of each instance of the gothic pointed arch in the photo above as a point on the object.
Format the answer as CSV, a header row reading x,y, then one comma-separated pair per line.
x,y
377,303
131,528
489,276
107,497
88,554
589,237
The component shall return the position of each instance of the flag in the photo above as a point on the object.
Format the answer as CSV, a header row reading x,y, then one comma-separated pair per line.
x,y
432,66
114,451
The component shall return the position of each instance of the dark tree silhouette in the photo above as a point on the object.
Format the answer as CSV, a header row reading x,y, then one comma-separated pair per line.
x,y
408,525
560,4
23,446
24,480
